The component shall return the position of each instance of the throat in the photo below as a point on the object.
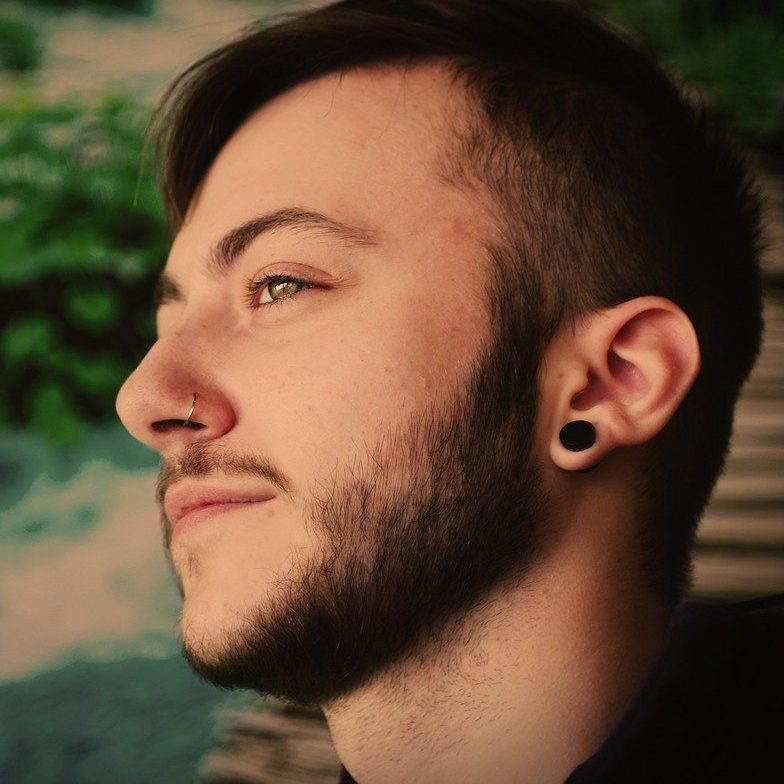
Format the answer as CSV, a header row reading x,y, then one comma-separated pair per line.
x,y
526,700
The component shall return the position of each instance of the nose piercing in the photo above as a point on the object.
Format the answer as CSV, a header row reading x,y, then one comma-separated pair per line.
x,y
190,413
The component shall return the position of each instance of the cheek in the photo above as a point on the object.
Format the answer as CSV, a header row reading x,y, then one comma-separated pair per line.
x,y
379,374
334,388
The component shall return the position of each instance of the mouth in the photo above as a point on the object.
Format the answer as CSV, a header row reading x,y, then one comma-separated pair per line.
x,y
199,514
189,506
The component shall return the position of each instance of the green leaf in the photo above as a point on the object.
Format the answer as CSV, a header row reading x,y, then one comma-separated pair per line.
x,y
53,413
95,309
28,341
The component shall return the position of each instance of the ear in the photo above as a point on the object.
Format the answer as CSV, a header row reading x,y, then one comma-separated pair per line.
x,y
625,370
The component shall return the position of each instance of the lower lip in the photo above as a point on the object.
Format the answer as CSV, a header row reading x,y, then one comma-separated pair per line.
x,y
197,517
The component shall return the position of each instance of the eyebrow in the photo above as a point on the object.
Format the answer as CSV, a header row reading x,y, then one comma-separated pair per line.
x,y
233,244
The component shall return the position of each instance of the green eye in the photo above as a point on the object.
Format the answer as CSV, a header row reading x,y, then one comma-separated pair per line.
x,y
279,288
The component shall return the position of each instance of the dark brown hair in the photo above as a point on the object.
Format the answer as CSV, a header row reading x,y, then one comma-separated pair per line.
x,y
608,184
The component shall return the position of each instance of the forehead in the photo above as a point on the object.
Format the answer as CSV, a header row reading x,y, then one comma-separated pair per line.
x,y
364,147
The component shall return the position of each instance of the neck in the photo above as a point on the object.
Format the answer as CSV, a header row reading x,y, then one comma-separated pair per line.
x,y
532,683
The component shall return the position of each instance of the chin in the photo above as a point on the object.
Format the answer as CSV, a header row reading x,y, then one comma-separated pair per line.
x,y
216,644
210,624
203,633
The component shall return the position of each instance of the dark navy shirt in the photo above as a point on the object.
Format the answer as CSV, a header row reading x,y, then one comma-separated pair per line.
x,y
712,709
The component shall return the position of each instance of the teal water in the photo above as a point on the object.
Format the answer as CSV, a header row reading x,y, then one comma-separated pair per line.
x,y
93,687
134,720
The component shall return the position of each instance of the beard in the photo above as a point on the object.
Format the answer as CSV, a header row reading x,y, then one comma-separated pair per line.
x,y
446,507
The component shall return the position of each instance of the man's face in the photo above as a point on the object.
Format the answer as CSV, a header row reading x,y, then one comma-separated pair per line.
x,y
375,404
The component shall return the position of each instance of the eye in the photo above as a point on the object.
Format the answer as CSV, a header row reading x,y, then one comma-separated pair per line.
x,y
278,287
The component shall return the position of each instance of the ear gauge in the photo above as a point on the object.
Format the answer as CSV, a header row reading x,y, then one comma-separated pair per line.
x,y
577,436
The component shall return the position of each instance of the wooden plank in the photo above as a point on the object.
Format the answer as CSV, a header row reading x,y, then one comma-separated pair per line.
x,y
745,454
762,486
737,575
761,529
760,417
270,741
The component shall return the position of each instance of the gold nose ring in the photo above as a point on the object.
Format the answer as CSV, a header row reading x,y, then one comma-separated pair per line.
x,y
190,413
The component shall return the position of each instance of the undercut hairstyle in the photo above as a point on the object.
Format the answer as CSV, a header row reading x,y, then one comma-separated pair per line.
x,y
609,180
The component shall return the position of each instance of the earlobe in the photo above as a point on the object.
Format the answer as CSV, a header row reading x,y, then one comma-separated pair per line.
x,y
578,435
628,369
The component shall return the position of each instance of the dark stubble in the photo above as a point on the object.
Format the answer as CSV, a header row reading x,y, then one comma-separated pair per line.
x,y
446,507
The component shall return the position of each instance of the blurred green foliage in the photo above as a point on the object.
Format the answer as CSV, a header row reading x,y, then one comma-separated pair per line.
x,y
20,48
83,240
732,50
127,6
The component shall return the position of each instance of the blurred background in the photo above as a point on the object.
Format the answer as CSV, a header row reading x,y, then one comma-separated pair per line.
x,y
92,683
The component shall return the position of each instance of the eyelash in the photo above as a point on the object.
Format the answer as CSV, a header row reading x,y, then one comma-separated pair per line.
x,y
255,285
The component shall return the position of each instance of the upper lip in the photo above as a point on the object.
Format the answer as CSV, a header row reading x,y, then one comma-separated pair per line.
x,y
184,498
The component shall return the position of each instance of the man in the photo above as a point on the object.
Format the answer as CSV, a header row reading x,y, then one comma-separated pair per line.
x,y
460,299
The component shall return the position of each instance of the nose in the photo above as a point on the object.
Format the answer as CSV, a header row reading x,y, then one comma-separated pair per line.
x,y
154,404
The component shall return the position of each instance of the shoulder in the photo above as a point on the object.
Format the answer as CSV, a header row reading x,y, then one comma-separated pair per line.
x,y
712,709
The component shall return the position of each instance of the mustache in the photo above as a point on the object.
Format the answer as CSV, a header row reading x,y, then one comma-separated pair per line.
x,y
201,460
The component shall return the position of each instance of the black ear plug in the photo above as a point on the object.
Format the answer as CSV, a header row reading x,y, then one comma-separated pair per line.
x,y
578,435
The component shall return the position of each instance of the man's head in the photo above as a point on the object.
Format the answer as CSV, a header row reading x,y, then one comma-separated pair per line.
x,y
398,480
498,217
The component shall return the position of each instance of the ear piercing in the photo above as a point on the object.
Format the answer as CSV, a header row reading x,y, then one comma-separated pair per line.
x,y
190,413
578,435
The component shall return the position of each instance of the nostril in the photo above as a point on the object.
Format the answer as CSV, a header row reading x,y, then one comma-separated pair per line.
x,y
167,425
